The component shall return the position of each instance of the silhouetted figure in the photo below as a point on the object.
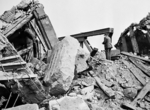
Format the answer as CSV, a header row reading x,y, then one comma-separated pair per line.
x,y
107,46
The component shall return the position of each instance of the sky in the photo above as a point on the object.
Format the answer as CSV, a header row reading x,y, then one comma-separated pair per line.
x,y
76,16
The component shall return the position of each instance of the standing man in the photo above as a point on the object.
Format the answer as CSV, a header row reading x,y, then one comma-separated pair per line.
x,y
107,46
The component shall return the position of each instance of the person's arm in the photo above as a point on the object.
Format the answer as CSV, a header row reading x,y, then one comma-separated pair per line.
x,y
104,42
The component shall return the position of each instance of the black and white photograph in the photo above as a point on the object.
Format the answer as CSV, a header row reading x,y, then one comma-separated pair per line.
x,y
74,54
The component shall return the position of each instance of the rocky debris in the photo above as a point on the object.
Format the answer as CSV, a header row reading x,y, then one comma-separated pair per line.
x,y
24,107
81,59
60,72
130,93
121,78
31,91
38,66
68,103
85,81
59,75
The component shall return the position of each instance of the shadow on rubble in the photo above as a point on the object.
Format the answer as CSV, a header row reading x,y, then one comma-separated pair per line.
x,y
8,99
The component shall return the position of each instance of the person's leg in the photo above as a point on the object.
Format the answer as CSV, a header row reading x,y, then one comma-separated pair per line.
x,y
109,54
106,53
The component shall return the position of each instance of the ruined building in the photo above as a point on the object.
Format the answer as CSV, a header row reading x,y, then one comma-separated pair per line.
x,y
39,71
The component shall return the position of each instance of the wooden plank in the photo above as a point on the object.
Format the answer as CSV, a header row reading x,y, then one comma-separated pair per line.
x,y
91,33
108,91
140,65
131,55
124,44
12,66
10,76
35,28
45,27
142,93
88,45
9,59
135,72
134,42
24,51
10,30
148,36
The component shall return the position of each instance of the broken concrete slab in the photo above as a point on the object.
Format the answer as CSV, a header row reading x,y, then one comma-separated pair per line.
x,y
87,90
94,106
68,103
130,93
87,81
60,71
23,4
24,107
81,58
88,93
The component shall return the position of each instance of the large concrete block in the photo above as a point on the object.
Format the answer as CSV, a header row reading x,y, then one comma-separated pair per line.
x,y
68,103
60,71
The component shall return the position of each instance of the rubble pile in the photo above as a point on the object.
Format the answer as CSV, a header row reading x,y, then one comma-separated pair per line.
x,y
40,72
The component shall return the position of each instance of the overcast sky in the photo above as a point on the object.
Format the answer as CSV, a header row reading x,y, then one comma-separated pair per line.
x,y
75,16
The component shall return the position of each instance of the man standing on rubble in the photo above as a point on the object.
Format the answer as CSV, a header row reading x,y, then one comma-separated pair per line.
x,y
107,46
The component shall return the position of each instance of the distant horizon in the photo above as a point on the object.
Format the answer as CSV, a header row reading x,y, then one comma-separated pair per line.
x,y
75,16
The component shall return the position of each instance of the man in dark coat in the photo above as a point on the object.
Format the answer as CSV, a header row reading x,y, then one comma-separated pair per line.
x,y
108,46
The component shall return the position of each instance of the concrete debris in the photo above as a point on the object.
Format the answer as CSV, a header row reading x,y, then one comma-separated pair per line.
x,y
94,106
38,67
60,72
87,93
87,90
81,59
42,72
85,81
130,93
24,107
68,103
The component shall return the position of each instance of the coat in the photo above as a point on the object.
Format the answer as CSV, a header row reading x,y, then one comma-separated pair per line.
x,y
107,42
